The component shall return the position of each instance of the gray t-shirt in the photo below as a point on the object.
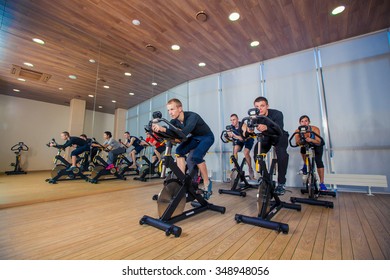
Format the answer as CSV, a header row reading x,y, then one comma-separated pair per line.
x,y
113,143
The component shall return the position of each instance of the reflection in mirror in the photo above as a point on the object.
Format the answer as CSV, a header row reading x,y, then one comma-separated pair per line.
x,y
59,68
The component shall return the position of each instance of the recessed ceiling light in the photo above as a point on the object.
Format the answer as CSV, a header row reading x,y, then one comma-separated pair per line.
x,y
154,84
131,93
175,47
90,95
28,64
73,77
113,101
255,43
234,16
106,86
136,22
38,41
338,10
16,90
127,74
92,60
21,79
201,16
202,64
100,106
60,88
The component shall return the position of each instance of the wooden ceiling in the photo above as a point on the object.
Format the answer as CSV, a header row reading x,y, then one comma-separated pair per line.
x,y
76,31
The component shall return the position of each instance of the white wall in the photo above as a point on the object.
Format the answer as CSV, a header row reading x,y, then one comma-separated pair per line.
x,y
35,123
101,122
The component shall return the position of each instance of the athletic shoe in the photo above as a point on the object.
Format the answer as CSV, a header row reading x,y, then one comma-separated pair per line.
x,y
71,168
303,170
110,166
280,190
323,187
208,192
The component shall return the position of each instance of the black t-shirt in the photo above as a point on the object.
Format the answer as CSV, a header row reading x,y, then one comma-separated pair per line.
x,y
277,117
193,124
73,141
136,143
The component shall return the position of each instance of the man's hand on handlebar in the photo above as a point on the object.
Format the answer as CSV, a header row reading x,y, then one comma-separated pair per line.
x,y
262,127
158,128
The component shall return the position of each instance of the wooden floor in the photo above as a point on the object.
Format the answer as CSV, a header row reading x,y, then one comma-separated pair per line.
x,y
79,220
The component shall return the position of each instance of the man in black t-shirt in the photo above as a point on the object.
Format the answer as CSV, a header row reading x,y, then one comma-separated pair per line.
x,y
280,143
200,139
81,146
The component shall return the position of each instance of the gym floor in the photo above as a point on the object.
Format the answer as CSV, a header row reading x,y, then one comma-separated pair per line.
x,y
80,220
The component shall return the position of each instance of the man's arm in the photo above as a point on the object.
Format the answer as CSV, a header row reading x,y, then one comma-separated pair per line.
x,y
68,143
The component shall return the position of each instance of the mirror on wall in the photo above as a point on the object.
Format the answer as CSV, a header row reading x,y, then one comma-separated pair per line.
x,y
44,59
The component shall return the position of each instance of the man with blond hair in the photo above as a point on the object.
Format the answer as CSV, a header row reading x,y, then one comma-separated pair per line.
x,y
200,139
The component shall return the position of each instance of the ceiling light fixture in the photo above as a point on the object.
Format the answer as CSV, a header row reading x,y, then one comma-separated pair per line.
x,y
73,77
150,47
124,64
234,16
38,41
154,84
202,64
201,16
90,95
100,107
60,88
106,86
16,90
338,10
255,43
131,93
92,60
21,79
136,22
28,64
113,101
127,74
175,47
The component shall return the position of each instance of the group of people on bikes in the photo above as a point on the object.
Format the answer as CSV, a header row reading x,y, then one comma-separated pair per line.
x,y
201,138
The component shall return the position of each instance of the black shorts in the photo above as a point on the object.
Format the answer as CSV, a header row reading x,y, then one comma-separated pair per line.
x,y
248,144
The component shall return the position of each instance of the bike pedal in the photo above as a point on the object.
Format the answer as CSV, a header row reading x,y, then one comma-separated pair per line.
x,y
207,195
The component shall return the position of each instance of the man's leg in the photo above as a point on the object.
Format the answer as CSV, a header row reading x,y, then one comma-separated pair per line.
x,y
132,155
249,163
282,159
181,163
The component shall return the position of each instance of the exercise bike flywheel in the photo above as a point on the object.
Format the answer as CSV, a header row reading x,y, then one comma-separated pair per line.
x,y
166,196
263,200
233,177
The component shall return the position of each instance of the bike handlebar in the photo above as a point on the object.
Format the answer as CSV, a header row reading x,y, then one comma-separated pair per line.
x,y
19,147
302,130
172,133
254,119
224,135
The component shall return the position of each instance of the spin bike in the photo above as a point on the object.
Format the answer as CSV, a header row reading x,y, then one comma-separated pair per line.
x,y
266,191
310,178
59,172
17,149
98,169
178,188
123,164
238,180
149,170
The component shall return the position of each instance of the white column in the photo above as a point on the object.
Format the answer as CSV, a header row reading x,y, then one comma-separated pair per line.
x,y
119,123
